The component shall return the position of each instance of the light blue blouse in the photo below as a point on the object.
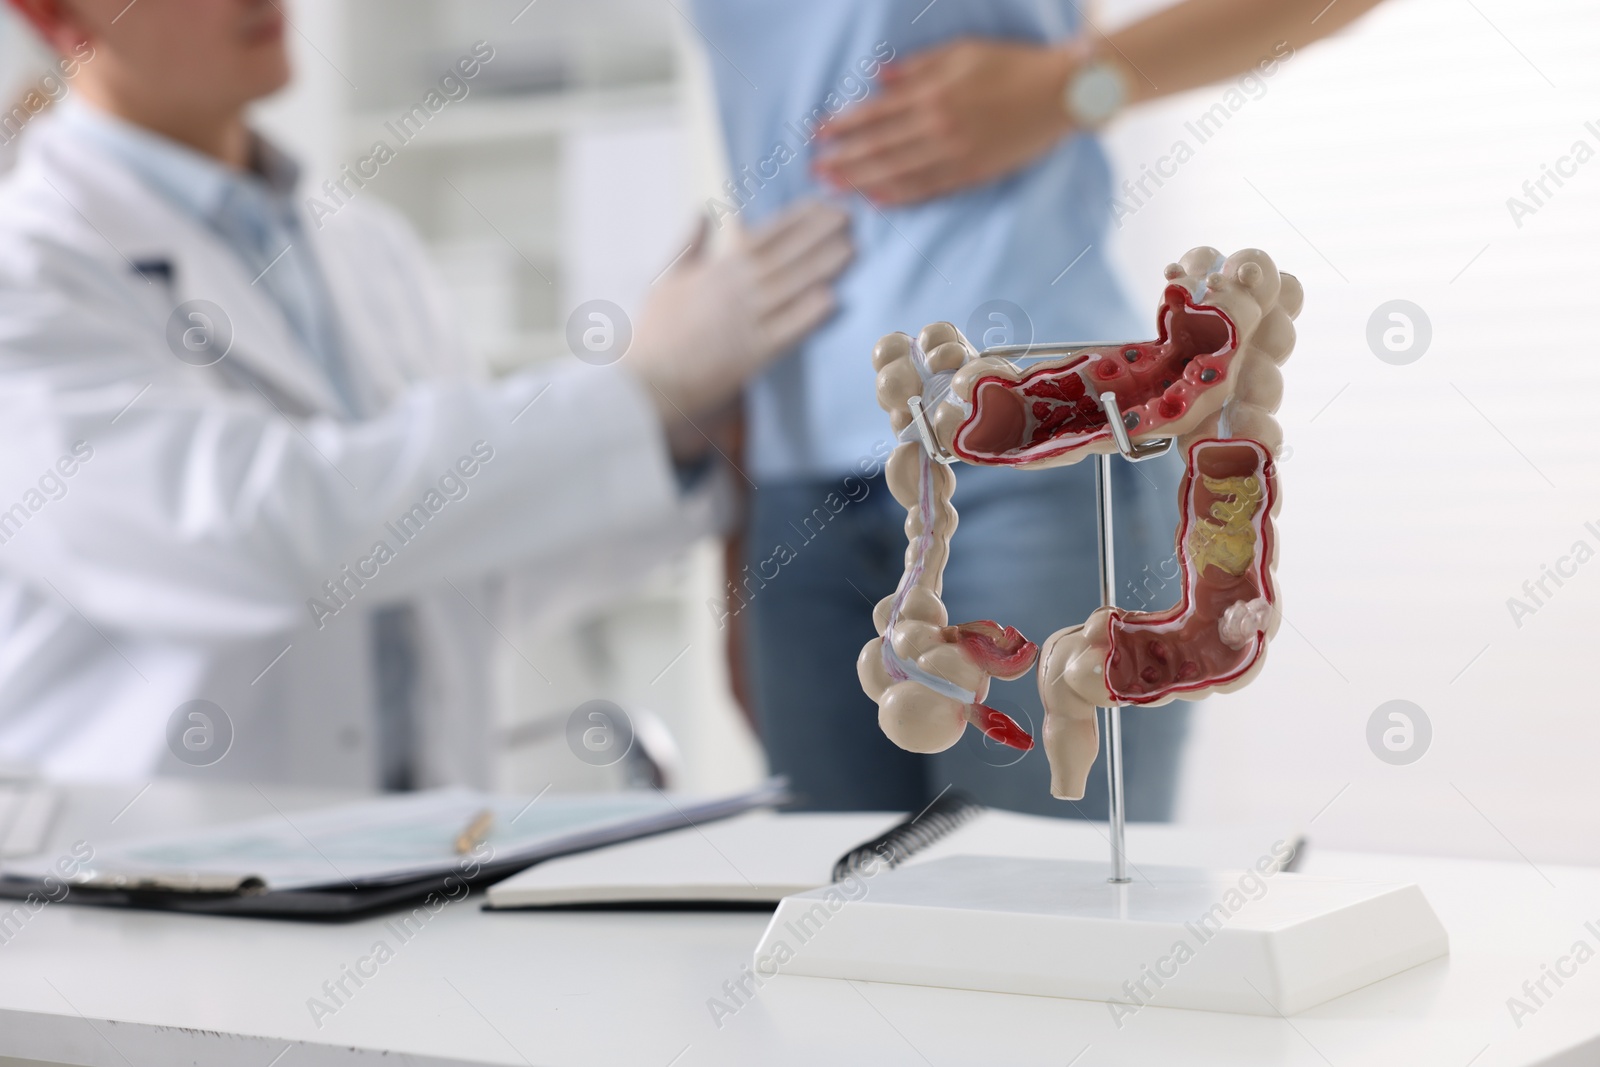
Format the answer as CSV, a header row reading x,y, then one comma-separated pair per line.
x,y
974,258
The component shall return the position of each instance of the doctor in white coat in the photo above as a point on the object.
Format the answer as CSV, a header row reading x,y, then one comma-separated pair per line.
x,y
245,460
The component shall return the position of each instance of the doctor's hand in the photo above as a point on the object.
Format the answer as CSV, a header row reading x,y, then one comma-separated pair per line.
x,y
949,119
716,319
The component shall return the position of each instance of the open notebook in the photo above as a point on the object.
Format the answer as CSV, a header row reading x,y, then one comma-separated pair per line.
x,y
762,856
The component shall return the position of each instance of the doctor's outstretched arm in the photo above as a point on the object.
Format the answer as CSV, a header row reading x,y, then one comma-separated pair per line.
x,y
204,512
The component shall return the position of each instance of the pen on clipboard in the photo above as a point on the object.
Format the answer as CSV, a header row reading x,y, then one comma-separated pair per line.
x,y
474,833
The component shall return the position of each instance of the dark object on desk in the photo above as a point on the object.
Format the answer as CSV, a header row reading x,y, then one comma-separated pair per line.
x,y
900,842
328,905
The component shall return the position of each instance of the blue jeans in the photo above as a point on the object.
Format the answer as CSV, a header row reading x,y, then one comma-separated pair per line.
x,y
1024,555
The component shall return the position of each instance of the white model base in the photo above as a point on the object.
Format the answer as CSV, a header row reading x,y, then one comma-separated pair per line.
x,y
1177,937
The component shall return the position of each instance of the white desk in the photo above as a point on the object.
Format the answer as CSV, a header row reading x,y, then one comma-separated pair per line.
x,y
111,988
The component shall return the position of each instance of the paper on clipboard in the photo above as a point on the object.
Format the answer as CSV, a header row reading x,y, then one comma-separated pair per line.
x,y
398,838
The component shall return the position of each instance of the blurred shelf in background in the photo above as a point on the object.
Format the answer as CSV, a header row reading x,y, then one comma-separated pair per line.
x,y
510,119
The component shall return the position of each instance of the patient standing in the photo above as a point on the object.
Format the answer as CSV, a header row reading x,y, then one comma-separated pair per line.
x,y
962,135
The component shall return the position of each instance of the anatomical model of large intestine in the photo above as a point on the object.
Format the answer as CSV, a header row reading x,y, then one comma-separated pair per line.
x,y
1210,380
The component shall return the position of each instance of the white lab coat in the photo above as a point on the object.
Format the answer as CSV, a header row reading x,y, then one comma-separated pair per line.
x,y
180,558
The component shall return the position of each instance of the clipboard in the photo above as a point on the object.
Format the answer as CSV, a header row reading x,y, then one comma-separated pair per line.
x,y
373,855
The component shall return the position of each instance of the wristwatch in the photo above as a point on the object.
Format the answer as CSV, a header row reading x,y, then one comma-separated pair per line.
x,y
1096,92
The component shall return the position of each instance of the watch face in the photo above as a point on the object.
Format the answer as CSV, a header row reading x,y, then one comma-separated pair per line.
x,y
1096,93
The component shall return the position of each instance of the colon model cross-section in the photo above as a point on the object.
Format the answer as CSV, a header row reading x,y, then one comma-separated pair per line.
x,y
1210,380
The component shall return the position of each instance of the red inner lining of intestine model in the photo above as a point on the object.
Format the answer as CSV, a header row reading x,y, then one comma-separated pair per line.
x,y
1055,409
1156,654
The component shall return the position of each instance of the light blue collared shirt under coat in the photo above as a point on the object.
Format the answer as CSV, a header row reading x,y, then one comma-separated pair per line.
x,y
254,214
774,63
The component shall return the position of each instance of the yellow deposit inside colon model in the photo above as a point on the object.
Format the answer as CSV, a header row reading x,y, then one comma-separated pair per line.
x,y
1232,544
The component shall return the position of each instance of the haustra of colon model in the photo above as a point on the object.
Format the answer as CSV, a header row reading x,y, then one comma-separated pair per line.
x,y
1211,381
